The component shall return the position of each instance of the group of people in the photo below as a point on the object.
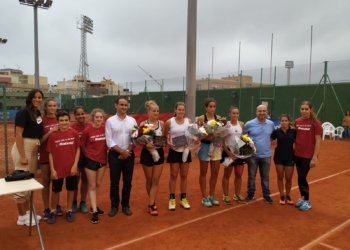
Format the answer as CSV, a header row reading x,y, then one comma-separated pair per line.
x,y
79,152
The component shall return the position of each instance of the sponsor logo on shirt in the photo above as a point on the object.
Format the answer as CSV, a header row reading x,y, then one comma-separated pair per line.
x,y
304,127
47,128
65,142
97,138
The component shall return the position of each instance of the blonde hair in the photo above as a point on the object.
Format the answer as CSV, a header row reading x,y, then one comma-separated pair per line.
x,y
94,111
149,104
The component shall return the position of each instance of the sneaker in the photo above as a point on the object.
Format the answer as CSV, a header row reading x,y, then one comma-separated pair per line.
x,y
52,218
99,211
282,200
69,216
38,217
172,204
59,210
46,214
289,200
206,202
305,206
249,197
83,207
74,206
24,220
184,203
94,219
300,202
239,198
214,201
226,199
154,206
268,199
152,210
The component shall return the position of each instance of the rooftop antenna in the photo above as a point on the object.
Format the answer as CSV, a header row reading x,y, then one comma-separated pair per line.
x,y
161,85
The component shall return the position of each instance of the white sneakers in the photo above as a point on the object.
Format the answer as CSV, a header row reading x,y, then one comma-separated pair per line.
x,y
172,204
24,220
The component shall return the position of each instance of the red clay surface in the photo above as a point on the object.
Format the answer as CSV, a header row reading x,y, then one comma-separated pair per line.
x,y
256,225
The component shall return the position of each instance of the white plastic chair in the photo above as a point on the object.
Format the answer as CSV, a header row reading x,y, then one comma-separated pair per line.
x,y
339,131
328,129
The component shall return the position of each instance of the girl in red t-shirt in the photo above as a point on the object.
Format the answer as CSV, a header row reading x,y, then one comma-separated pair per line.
x,y
307,145
93,141
49,125
79,126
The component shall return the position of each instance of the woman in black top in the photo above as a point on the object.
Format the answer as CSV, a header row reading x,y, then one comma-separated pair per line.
x,y
284,157
28,131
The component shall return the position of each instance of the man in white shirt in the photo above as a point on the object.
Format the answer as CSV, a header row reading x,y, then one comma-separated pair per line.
x,y
121,156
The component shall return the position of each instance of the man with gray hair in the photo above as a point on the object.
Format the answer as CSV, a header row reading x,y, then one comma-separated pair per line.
x,y
260,130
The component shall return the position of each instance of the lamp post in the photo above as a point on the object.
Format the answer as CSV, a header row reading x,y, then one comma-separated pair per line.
x,y
3,41
43,5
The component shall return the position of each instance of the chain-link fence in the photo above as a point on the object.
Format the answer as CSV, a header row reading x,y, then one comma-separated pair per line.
x,y
281,91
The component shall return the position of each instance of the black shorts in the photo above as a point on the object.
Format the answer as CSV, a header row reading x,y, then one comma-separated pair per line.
x,y
81,163
176,157
285,163
237,162
147,160
44,163
93,165
71,184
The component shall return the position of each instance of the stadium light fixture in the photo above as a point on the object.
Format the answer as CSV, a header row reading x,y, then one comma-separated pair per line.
x,y
43,4
3,41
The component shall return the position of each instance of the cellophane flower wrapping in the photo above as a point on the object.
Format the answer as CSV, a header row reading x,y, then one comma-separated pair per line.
x,y
193,133
228,160
145,135
243,147
218,128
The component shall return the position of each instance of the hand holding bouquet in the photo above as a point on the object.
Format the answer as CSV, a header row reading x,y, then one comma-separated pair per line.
x,y
219,128
193,134
242,148
144,135
245,147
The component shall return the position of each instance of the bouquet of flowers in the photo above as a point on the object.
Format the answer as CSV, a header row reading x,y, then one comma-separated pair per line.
x,y
143,135
243,148
193,133
219,128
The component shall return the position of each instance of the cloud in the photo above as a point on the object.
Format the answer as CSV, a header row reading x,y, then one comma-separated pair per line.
x,y
153,33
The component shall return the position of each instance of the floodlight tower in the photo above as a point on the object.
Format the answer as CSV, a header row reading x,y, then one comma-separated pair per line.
x,y
289,65
43,5
3,41
85,25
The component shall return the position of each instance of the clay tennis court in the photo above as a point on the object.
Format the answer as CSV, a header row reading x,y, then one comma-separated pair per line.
x,y
256,225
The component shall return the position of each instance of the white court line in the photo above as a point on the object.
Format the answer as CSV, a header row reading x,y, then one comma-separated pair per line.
x,y
209,215
326,245
314,242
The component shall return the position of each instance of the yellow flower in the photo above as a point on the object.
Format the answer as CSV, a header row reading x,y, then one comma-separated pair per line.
x,y
146,130
245,138
213,123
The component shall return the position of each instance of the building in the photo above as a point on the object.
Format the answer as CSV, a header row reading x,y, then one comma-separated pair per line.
x,y
76,87
16,81
229,82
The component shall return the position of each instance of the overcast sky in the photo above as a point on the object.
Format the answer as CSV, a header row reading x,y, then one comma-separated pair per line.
x,y
152,34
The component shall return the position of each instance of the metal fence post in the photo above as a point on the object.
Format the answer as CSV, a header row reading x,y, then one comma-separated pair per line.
x,y
5,129
261,81
208,83
240,90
